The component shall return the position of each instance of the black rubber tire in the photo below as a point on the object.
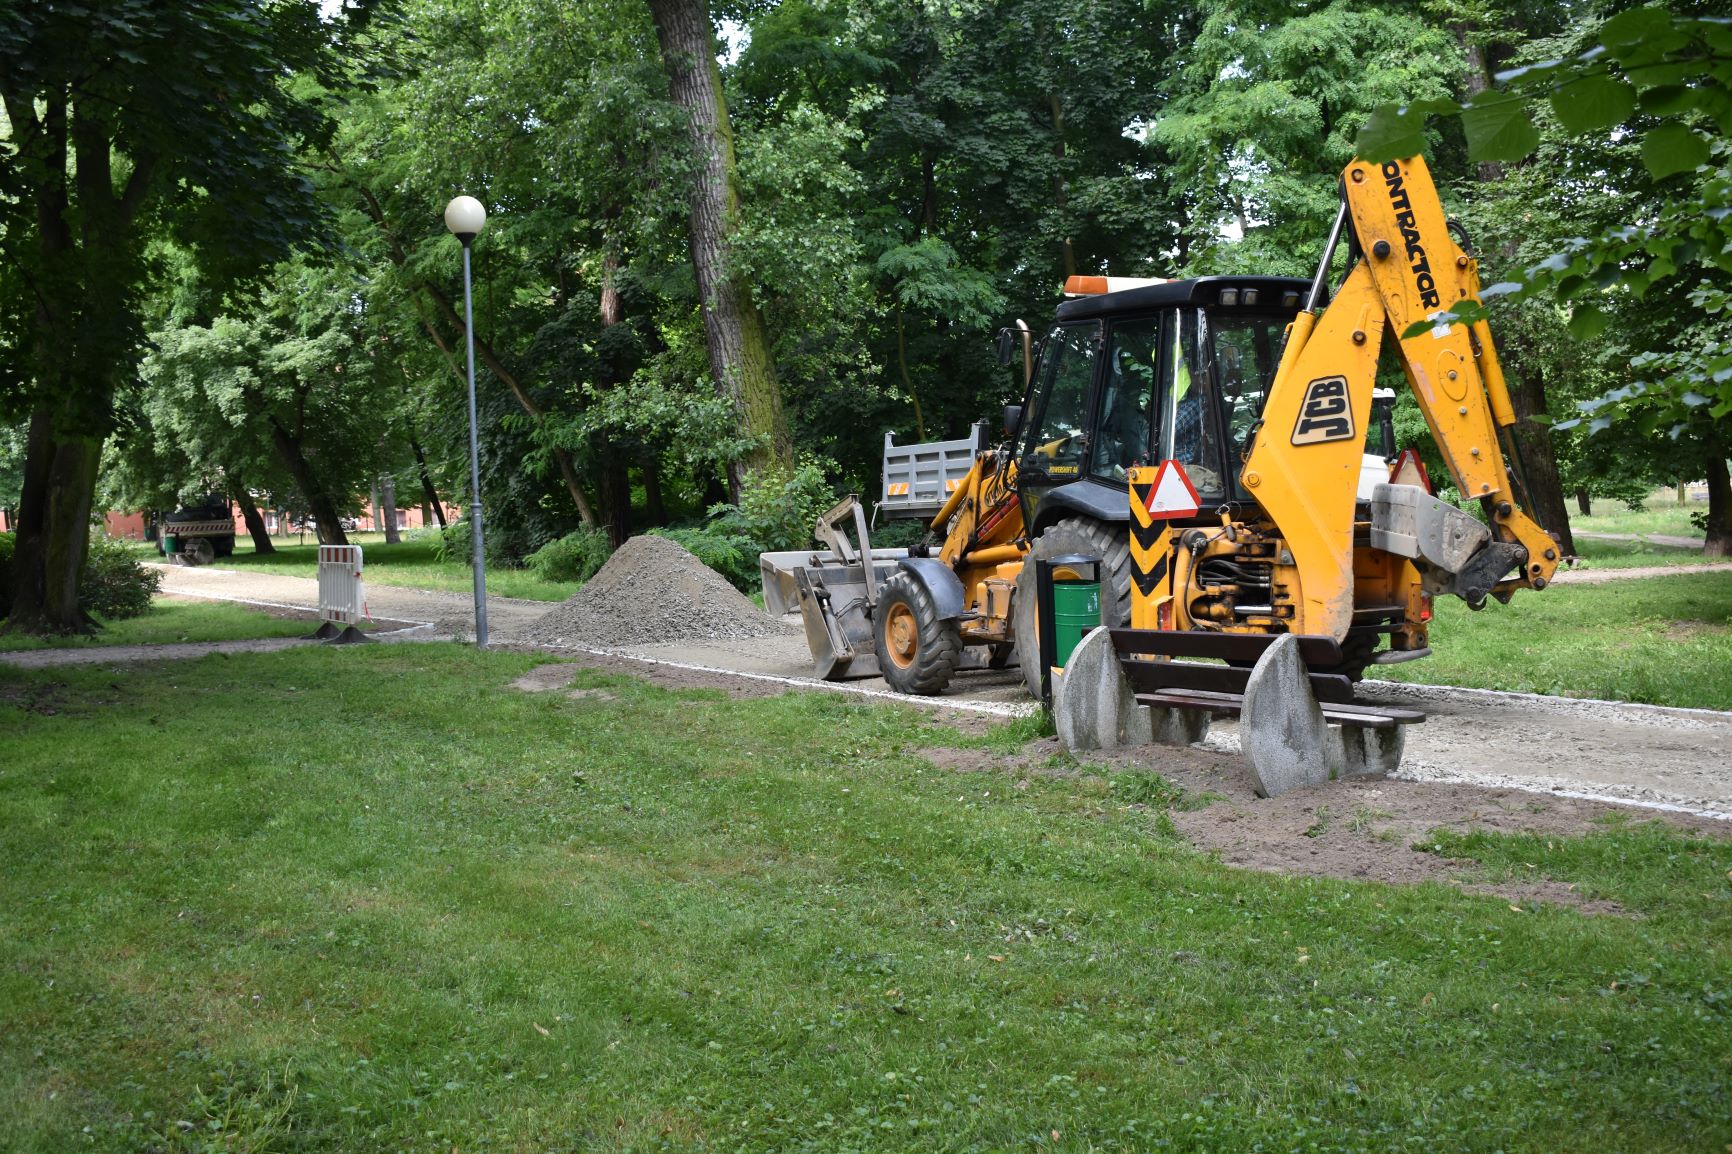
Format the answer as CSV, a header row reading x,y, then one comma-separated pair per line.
x,y
1355,656
1000,656
917,653
1111,543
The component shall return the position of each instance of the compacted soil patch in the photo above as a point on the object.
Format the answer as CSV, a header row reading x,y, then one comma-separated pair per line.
x,y
1366,830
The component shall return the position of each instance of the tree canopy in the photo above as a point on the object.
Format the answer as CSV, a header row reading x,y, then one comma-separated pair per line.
x,y
222,236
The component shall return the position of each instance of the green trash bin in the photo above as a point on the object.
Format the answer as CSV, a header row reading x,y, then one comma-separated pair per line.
x,y
1076,603
170,544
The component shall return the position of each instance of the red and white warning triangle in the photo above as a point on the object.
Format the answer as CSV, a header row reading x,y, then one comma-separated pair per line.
x,y
1172,494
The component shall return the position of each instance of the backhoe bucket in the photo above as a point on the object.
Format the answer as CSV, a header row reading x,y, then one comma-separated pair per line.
x,y
834,591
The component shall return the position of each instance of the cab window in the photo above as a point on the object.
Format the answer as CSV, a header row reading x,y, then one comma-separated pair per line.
x,y
1245,351
1125,435
1190,432
1056,439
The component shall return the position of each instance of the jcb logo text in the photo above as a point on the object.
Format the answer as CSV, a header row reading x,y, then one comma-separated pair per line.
x,y
1325,414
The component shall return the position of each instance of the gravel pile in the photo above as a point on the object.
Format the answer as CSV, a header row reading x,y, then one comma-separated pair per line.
x,y
652,591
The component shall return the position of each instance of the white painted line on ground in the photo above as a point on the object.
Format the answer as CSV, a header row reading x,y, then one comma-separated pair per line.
x,y
1424,774
990,708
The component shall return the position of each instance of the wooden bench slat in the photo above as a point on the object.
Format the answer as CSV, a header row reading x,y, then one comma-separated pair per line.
x,y
1156,675
1360,716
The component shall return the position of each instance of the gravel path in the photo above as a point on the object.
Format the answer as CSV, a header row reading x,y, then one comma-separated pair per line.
x,y
126,654
1667,539
1601,576
1607,750
450,614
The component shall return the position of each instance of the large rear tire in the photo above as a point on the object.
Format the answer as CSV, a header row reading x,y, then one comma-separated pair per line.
x,y
1111,543
917,653
1356,654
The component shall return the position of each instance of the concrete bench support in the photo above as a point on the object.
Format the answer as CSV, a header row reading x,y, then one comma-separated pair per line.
x,y
1094,708
1287,740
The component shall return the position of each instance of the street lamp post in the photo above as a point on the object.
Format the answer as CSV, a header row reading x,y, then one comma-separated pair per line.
x,y
465,217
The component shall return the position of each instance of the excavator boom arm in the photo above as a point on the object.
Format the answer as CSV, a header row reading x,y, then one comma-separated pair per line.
x,y
1407,268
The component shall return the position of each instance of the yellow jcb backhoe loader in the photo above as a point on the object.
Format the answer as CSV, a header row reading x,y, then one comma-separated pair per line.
x,y
1283,545
1260,392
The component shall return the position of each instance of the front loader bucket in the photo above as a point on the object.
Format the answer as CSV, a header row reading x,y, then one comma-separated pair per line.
x,y
831,596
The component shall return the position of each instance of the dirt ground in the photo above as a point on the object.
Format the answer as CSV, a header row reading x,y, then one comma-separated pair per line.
x,y
1357,830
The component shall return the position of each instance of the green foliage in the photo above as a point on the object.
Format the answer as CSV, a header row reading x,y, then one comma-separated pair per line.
x,y
573,557
732,555
1658,84
778,507
456,543
114,584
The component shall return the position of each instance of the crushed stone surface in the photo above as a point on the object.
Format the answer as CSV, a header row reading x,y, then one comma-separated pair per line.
x,y
1602,576
652,590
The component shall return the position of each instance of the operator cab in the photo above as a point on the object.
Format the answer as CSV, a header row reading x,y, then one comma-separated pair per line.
x,y
1169,371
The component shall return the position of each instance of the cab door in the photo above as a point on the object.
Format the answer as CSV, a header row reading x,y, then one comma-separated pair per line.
x,y
1053,447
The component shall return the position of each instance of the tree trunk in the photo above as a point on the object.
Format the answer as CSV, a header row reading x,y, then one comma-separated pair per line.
x,y
1719,542
388,507
1539,462
81,263
430,495
323,508
255,523
53,534
1533,440
1067,251
902,365
615,487
1584,502
738,340
655,508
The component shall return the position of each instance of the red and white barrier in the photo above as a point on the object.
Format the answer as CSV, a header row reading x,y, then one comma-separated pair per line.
x,y
342,596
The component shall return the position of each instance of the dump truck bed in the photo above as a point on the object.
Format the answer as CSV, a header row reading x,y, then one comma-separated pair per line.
x,y
918,479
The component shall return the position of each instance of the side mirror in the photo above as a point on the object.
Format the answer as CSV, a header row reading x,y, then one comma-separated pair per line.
x,y
1012,417
1006,347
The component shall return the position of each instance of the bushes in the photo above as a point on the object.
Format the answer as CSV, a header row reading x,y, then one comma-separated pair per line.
x,y
573,557
778,507
114,584
734,557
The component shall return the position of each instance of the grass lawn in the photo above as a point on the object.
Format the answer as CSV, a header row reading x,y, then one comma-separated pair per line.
x,y
405,908
1662,515
1662,640
171,620
411,563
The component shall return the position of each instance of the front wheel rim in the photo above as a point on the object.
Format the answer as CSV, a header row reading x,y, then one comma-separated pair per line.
x,y
902,635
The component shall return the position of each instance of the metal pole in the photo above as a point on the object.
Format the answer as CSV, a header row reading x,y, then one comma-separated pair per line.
x,y
1320,282
474,464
